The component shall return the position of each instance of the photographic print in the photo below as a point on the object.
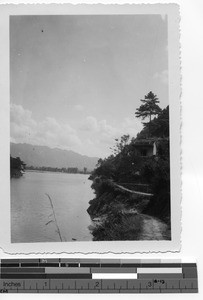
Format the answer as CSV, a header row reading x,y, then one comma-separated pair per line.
x,y
90,127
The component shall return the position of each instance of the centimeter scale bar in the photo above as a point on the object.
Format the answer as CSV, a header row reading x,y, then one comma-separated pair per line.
x,y
97,276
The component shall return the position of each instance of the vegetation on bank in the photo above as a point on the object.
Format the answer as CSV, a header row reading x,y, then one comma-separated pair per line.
x,y
119,214
17,167
115,212
72,170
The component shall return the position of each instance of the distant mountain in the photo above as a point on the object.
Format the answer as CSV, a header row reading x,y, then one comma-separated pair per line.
x,y
39,156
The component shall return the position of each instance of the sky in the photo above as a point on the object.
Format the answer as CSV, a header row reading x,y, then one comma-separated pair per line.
x,y
76,81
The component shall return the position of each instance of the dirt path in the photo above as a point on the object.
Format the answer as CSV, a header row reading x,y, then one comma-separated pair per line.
x,y
153,229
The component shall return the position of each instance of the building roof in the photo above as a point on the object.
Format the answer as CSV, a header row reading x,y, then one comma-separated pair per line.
x,y
148,141
144,142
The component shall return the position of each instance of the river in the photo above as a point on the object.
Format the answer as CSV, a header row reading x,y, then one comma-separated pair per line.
x,y
32,218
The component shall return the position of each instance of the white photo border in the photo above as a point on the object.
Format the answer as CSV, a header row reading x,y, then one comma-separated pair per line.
x,y
101,247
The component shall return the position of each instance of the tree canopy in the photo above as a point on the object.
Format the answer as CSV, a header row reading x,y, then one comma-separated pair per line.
x,y
159,126
149,107
16,166
120,144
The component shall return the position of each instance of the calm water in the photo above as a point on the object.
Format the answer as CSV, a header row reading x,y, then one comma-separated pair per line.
x,y
31,209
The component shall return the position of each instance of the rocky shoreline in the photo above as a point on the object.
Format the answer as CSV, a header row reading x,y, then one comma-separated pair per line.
x,y
118,215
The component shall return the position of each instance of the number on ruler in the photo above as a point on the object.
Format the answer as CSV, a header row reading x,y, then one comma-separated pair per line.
x,y
96,286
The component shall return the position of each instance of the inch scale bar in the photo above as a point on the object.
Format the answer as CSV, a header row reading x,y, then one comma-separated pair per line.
x,y
97,276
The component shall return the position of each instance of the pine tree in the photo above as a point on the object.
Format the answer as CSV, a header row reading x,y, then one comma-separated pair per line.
x,y
149,108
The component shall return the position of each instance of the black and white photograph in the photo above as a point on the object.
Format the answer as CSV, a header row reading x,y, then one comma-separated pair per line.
x,y
90,128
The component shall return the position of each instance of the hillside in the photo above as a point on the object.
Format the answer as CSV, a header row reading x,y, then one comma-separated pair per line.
x,y
132,186
39,156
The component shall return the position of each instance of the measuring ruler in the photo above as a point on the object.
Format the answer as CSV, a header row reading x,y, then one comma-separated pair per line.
x,y
97,276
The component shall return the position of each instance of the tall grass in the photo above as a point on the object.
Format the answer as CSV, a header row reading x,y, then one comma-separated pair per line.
x,y
55,221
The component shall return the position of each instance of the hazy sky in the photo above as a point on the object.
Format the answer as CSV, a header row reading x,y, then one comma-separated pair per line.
x,y
76,81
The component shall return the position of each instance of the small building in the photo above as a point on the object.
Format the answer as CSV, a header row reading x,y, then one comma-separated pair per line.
x,y
145,147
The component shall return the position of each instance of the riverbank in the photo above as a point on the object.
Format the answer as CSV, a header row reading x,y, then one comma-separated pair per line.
x,y
117,214
57,172
17,167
